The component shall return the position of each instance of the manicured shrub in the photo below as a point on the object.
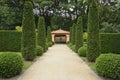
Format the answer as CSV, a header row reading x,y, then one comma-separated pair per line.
x,y
110,42
41,37
93,32
73,47
70,34
49,44
49,36
10,41
85,35
108,65
11,64
39,51
28,33
73,34
79,34
82,51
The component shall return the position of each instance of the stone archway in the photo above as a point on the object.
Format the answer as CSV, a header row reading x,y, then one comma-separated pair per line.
x,y
60,36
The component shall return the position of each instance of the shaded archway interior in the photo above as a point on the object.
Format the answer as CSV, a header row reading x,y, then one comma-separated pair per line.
x,y
60,36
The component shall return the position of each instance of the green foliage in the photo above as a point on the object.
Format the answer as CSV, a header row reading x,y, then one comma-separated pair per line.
x,y
93,32
49,36
73,34
108,65
49,44
10,64
79,34
10,41
82,51
85,36
73,47
41,38
110,42
39,50
10,14
70,34
28,34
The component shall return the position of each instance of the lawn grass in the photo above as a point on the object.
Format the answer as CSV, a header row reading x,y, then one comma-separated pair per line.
x,y
90,64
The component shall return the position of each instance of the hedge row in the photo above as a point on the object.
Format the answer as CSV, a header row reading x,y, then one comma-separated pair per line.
x,y
10,41
110,42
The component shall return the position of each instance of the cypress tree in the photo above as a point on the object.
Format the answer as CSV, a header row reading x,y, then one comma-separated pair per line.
x,y
28,33
93,32
73,34
49,37
79,34
41,37
70,34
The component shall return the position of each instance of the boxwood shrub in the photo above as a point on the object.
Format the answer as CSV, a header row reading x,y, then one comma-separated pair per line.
x,y
82,51
108,65
10,64
39,50
10,41
110,42
49,44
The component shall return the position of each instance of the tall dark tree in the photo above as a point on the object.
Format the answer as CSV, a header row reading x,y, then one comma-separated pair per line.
x,y
28,33
41,37
73,34
93,32
49,37
79,34
70,34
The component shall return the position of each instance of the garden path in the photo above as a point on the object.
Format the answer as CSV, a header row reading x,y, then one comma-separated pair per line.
x,y
59,63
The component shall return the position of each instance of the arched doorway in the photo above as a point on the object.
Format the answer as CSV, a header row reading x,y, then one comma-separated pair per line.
x,y
60,36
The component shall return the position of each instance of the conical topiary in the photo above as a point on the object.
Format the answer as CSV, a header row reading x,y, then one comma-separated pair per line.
x,y
79,34
28,33
41,37
93,32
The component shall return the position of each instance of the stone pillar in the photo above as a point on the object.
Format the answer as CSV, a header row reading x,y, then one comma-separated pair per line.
x,y
53,36
67,38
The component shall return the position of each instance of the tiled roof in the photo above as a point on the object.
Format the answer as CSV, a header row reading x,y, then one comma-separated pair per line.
x,y
60,31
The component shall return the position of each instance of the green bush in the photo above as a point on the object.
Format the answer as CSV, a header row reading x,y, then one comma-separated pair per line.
x,y
49,44
110,42
82,51
11,64
73,47
41,37
79,34
93,48
73,34
49,36
10,41
108,65
39,51
28,32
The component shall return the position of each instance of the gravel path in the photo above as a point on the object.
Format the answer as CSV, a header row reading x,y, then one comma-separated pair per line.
x,y
59,63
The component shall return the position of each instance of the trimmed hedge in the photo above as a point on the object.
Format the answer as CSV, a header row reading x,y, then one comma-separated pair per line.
x,y
79,34
39,51
49,36
108,65
41,37
11,64
10,41
93,48
28,32
110,42
49,44
82,51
